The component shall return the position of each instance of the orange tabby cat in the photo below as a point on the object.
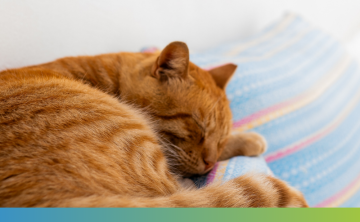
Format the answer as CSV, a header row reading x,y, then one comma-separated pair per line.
x,y
117,130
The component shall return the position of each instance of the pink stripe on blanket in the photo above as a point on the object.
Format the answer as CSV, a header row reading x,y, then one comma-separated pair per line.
x,y
337,198
292,149
315,136
265,112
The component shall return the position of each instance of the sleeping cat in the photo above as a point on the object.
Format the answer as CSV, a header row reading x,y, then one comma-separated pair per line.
x,y
119,130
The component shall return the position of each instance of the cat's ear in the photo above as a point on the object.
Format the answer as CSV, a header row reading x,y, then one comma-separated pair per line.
x,y
223,74
172,62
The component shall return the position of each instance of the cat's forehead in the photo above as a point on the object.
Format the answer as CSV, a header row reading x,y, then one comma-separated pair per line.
x,y
198,95
202,79
196,71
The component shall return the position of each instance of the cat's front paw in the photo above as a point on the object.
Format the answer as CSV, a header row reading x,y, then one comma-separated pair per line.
x,y
251,143
244,144
257,143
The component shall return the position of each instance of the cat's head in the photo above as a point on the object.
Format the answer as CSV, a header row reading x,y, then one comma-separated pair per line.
x,y
190,107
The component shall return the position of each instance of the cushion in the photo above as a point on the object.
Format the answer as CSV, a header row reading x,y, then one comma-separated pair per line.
x,y
298,87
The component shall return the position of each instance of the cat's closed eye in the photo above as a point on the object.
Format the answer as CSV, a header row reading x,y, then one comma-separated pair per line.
x,y
201,140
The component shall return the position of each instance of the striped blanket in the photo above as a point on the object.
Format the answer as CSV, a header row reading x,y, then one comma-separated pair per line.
x,y
298,87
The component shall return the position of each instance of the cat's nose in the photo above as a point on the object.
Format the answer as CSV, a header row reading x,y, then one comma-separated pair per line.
x,y
209,161
209,164
209,156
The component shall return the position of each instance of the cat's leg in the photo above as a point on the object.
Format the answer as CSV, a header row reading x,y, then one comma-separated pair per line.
x,y
244,144
252,190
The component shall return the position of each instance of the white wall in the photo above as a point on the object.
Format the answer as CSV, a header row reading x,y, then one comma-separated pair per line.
x,y
38,31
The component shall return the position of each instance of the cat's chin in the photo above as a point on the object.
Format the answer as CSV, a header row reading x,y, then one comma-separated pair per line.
x,y
189,174
184,174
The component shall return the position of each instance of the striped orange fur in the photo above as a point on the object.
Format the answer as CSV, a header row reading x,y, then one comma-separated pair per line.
x,y
119,130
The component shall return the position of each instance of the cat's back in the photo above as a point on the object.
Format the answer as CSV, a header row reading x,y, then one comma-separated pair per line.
x,y
60,139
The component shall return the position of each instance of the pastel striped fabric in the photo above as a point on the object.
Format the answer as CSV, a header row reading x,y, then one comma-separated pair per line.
x,y
298,87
